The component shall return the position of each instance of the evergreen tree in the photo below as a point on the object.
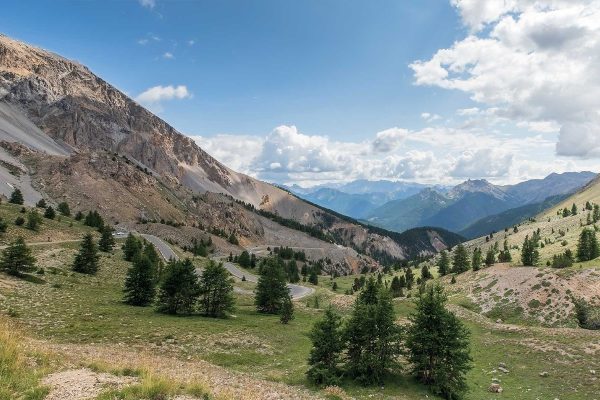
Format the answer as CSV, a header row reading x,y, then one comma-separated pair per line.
x,y
395,287
155,259
476,259
573,209
292,272
33,220
327,346
3,225
443,263
372,338
78,216
216,291
313,277
244,259
49,213
131,247
529,254
107,241
409,277
490,257
16,197
86,261
271,289
179,289
287,310
16,258
370,292
596,213
233,240
587,247
94,220
425,274
460,262
438,345
64,209
41,203
139,284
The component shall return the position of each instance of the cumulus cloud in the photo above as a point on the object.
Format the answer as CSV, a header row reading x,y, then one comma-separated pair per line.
x,y
153,97
535,63
389,139
147,3
488,163
168,55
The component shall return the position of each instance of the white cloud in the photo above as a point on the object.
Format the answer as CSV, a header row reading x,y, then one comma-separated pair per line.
x,y
429,117
168,55
535,63
389,139
153,97
143,42
148,3
487,163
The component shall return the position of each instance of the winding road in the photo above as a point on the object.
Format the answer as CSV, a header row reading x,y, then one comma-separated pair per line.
x,y
296,291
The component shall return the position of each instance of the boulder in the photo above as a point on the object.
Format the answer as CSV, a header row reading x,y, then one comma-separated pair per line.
x,y
495,388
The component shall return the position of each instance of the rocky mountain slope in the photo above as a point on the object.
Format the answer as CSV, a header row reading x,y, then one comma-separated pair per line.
x,y
84,140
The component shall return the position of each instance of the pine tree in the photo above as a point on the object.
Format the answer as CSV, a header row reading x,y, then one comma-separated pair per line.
x,y
49,213
139,284
372,338
395,287
410,278
16,258
573,209
107,241
287,310
460,262
131,247
233,239
327,346
313,277
587,247
244,259
425,274
41,203
16,197
86,261
64,209
179,289
476,259
292,272
3,225
529,254
33,220
438,345
155,259
94,220
271,289
490,257
216,291
443,263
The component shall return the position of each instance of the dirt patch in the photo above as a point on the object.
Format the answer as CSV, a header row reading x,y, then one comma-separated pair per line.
x,y
81,384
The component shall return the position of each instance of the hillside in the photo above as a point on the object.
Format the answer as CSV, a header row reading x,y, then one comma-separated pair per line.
x,y
83,140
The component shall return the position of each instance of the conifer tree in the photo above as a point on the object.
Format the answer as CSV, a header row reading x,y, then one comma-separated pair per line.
x,y
107,241
460,262
16,197
327,346
395,288
155,259
179,289
131,247
574,209
409,277
438,345
425,274
443,263
244,259
292,272
287,310
587,247
49,213
86,261
271,289
3,225
476,259
313,277
64,209
140,287
17,258
372,338
490,257
216,291
33,220
529,254
41,203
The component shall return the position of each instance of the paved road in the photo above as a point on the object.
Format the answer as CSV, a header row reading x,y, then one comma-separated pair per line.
x,y
163,248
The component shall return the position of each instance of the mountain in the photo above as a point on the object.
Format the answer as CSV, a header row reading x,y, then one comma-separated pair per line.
x,y
472,201
353,205
67,135
403,214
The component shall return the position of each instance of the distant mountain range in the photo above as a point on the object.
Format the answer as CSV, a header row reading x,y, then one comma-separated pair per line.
x,y
472,208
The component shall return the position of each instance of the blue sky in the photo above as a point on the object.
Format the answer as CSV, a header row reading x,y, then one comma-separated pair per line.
x,y
321,78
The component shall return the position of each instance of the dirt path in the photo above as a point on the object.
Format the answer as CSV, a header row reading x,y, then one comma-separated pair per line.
x,y
81,384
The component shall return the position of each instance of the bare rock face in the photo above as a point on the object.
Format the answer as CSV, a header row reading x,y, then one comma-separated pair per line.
x,y
61,108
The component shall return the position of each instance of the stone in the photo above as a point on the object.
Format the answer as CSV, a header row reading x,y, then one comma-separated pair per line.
x,y
495,388
502,369
544,374
498,321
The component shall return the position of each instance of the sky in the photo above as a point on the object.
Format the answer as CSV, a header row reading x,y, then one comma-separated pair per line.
x,y
316,91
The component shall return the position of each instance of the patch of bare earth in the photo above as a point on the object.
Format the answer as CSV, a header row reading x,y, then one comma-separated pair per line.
x,y
82,384
221,382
